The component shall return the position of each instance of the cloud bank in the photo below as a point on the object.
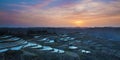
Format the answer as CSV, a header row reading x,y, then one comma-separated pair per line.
x,y
56,13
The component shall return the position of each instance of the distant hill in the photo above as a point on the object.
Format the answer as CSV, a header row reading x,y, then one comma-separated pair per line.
x,y
110,33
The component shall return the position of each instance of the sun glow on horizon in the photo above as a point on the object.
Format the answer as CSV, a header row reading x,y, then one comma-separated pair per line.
x,y
78,23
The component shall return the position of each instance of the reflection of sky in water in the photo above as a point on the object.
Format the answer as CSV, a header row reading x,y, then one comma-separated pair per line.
x,y
6,36
61,51
30,44
47,48
7,44
3,50
36,36
51,41
8,39
55,50
73,47
15,38
16,48
84,51
38,46
58,51
18,44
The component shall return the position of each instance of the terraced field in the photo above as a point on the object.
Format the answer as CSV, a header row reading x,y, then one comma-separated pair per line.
x,y
59,46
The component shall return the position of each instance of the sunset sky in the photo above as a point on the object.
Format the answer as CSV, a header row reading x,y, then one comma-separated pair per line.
x,y
59,13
